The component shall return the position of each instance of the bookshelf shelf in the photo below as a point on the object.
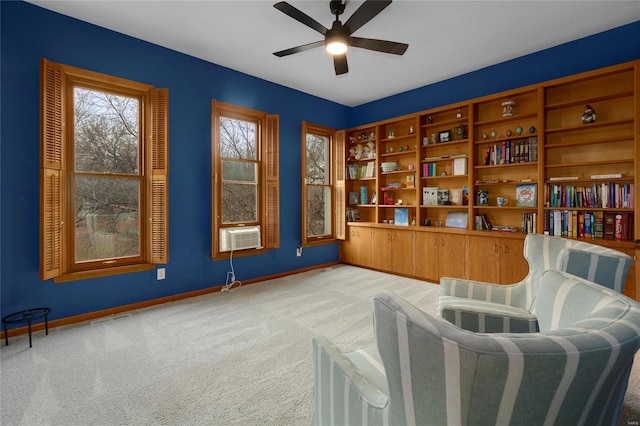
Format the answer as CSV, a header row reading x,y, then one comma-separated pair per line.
x,y
500,120
581,127
397,154
465,176
589,164
588,100
581,142
494,166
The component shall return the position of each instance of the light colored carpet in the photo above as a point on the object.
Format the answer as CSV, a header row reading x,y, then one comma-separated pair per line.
x,y
239,358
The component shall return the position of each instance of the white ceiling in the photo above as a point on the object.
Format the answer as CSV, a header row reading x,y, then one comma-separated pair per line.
x,y
446,38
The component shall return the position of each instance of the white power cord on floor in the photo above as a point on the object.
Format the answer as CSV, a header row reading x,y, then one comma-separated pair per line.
x,y
231,277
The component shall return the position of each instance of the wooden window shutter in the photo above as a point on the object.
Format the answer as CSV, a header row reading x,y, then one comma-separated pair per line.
x,y
159,174
272,156
51,169
339,185
215,161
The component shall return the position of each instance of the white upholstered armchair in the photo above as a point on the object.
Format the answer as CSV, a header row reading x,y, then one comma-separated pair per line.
x,y
486,307
426,371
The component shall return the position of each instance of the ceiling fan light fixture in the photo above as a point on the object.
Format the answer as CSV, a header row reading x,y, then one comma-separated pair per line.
x,y
336,47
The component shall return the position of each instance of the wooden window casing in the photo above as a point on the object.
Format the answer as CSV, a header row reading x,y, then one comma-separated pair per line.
x,y
332,174
268,217
56,187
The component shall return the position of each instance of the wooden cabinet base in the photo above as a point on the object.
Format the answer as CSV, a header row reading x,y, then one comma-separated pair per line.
x,y
430,253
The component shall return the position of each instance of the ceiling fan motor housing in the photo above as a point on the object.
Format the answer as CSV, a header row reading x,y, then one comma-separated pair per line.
x,y
337,7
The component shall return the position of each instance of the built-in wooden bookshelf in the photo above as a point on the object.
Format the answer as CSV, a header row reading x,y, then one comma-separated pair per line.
x,y
531,147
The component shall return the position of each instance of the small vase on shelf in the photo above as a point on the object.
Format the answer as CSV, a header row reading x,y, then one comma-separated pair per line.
x,y
589,114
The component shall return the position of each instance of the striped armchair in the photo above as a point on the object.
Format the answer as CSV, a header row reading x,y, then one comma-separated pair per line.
x,y
426,371
493,308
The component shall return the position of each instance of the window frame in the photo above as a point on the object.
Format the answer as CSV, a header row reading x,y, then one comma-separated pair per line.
x,y
57,256
267,155
332,165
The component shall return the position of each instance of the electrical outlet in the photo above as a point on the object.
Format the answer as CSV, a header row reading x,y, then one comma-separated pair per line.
x,y
160,273
299,251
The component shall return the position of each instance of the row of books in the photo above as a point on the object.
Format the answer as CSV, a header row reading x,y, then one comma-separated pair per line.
x,y
509,152
529,223
596,225
458,168
354,171
598,195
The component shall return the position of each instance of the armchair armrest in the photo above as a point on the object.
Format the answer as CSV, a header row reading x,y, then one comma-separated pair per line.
x,y
341,393
488,292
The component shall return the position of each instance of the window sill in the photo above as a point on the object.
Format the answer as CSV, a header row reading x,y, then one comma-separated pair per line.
x,y
96,273
319,241
239,253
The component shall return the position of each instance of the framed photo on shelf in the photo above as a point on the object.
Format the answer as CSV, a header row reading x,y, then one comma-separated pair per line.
x,y
373,198
482,197
457,220
460,132
444,136
526,195
354,197
401,216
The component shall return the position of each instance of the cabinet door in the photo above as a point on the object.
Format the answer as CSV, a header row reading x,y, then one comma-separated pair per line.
x,y
364,250
349,247
381,249
426,246
356,248
402,252
484,259
513,266
452,256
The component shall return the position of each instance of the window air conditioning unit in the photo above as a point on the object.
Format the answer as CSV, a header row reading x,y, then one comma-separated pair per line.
x,y
240,238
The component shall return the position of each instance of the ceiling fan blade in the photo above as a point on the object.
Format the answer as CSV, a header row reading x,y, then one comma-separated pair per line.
x,y
299,49
340,64
365,13
301,17
379,45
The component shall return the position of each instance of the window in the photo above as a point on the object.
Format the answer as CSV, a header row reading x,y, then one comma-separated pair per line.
x,y
245,177
103,174
318,197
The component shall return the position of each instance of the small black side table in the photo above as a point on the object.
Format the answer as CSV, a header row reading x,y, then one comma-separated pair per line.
x,y
25,316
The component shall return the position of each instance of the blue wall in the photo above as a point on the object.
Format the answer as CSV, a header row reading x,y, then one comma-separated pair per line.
x,y
29,33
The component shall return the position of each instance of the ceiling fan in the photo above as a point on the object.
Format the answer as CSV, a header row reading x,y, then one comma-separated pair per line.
x,y
338,39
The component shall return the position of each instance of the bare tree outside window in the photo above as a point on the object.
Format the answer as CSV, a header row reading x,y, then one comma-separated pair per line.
x,y
238,147
107,175
318,185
